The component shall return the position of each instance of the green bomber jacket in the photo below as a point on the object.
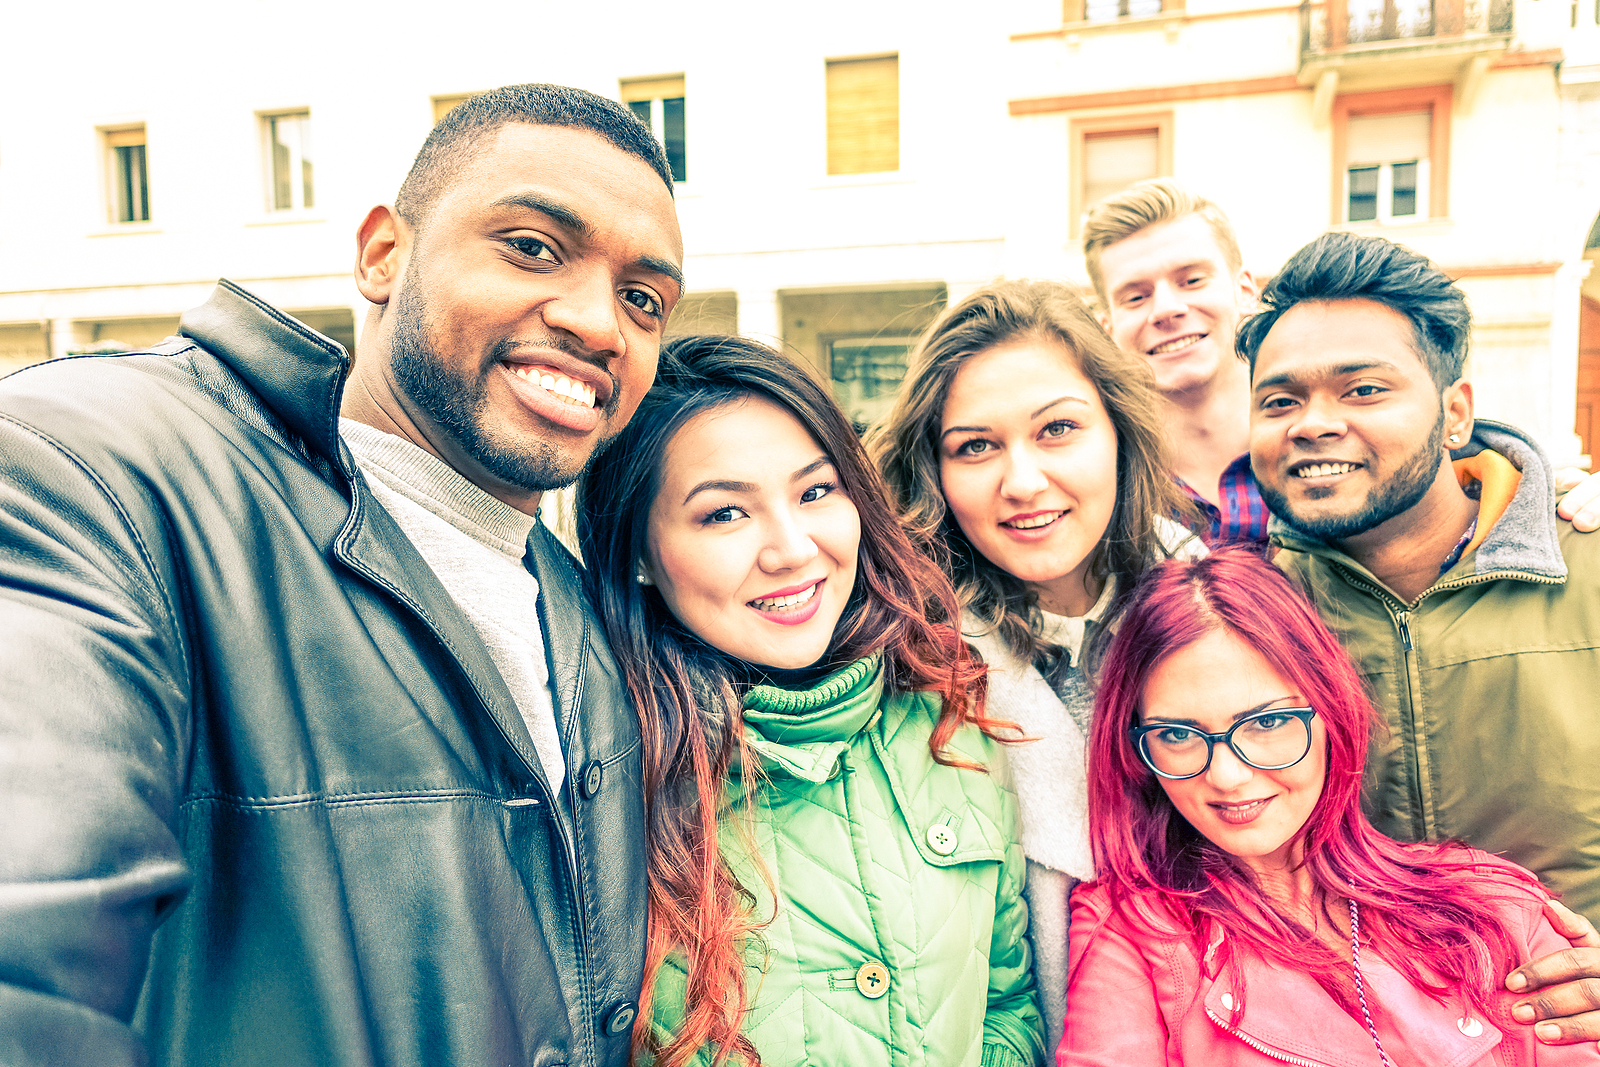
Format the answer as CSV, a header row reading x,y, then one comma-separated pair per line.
x,y
1488,683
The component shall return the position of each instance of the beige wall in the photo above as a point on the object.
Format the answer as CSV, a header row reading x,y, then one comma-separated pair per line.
x,y
813,320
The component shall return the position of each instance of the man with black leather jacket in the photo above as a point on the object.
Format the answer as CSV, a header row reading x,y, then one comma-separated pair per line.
x,y
283,779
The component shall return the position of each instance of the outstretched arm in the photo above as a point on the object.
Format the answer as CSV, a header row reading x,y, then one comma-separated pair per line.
x,y
93,735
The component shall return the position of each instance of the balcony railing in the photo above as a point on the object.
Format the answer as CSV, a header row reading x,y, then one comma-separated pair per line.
x,y
1338,23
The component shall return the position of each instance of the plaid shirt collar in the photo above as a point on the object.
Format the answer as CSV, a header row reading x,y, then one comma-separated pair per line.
x,y
1243,515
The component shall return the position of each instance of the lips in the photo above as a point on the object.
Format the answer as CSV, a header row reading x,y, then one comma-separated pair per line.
x,y
1176,343
786,600
1240,812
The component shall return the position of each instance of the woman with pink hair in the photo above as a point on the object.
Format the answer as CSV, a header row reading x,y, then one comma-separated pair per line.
x,y
1246,912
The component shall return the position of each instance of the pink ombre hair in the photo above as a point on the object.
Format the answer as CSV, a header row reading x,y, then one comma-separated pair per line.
x,y
1430,909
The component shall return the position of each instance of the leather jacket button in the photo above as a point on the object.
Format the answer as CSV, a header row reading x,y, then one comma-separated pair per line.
x,y
619,1020
872,979
591,777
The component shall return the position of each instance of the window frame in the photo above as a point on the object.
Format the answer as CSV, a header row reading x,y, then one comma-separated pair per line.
x,y
113,138
657,89
1435,99
297,204
1079,132
828,63
1073,11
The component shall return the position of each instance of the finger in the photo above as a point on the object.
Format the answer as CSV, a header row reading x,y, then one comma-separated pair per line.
x,y
1570,1030
1570,925
1569,966
1587,520
1568,478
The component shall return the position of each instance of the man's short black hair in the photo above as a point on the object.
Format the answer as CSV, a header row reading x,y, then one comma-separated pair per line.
x,y
457,137
1343,266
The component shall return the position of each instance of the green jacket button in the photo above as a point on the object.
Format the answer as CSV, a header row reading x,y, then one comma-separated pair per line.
x,y
872,979
942,839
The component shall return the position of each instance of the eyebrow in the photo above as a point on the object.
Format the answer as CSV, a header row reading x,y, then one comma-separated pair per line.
x,y
730,486
1245,714
1032,415
1338,370
569,219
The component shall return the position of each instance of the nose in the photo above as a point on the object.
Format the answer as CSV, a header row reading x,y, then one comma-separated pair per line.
x,y
1023,477
1227,771
1166,304
789,545
587,310
1318,417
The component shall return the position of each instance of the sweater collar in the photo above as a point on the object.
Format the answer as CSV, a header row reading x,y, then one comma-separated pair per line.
x,y
802,733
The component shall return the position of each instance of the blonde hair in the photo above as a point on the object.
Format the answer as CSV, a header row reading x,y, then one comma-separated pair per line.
x,y
1145,204
905,447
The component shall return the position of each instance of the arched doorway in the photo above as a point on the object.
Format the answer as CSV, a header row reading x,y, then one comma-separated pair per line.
x,y
1588,402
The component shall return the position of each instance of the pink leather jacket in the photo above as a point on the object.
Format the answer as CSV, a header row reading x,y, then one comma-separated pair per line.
x,y
1139,995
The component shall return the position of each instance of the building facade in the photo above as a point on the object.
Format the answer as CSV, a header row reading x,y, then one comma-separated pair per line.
x,y
843,175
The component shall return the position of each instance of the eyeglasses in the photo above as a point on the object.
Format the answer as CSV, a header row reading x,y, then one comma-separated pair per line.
x,y
1268,741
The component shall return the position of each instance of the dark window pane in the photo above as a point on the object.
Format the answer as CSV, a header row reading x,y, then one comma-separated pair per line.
x,y
1405,189
1363,194
133,197
641,108
672,137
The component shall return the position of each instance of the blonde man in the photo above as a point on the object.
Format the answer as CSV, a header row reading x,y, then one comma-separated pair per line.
x,y
1172,285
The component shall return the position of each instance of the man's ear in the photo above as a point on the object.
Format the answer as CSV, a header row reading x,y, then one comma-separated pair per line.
x,y
1249,293
382,244
1456,401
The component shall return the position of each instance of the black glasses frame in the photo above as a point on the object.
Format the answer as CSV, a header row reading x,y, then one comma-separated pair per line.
x,y
1136,734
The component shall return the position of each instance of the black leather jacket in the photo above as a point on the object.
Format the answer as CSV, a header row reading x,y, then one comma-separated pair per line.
x,y
264,798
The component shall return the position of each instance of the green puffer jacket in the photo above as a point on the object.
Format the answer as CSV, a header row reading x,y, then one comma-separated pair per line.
x,y
900,938
1487,682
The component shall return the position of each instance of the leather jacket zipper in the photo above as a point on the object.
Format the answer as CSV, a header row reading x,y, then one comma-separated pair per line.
x,y
1271,1053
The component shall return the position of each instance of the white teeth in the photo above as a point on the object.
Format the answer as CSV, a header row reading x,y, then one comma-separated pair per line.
x,y
572,388
1175,344
778,603
1037,521
1325,470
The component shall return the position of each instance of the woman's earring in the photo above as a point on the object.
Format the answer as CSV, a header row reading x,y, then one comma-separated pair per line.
x,y
640,576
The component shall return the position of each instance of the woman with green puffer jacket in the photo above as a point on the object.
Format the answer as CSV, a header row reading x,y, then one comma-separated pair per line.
x,y
835,874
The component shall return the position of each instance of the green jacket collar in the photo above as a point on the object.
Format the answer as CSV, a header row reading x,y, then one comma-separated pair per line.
x,y
802,733
1523,543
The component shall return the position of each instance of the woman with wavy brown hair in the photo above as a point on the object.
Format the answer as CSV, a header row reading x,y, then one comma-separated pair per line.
x,y
1025,453
833,862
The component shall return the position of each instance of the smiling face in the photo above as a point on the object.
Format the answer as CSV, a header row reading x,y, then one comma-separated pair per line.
x,y
752,545
528,310
1253,814
1171,296
1028,465
1347,427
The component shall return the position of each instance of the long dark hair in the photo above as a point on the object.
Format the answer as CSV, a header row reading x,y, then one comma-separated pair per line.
x,y
688,700
906,447
1427,908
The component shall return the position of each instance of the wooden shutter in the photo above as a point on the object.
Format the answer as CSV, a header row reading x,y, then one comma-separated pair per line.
x,y
863,115
443,105
660,88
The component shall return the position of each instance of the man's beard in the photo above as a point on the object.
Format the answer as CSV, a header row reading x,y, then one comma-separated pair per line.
x,y
458,405
1402,492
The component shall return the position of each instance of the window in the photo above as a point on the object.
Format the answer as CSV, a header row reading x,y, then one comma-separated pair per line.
x,y
866,373
864,115
1391,154
1105,10
659,104
443,105
1386,174
126,177
1109,154
288,158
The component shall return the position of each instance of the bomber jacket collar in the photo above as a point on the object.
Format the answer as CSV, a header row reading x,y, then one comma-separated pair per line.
x,y
298,373
802,733
1523,543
